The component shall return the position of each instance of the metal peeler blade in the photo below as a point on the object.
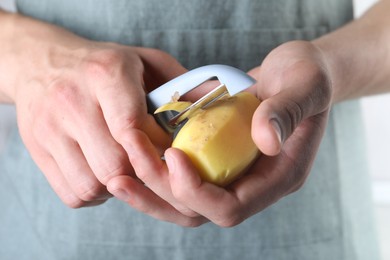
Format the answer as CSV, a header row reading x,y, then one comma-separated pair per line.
x,y
232,82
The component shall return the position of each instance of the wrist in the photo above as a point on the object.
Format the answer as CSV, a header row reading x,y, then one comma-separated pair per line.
x,y
333,67
33,51
358,55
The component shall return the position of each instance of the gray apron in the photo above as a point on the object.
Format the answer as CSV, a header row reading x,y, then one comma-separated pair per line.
x,y
329,218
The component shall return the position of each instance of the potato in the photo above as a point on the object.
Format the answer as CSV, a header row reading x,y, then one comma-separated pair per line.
x,y
218,139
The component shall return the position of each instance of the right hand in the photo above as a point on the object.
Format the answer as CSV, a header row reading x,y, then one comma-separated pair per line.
x,y
76,101
295,87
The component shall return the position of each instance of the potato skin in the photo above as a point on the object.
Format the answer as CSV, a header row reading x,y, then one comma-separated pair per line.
x,y
218,139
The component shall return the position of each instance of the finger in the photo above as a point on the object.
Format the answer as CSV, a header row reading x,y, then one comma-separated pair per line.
x,y
151,169
105,156
254,73
217,204
56,179
42,139
76,170
122,98
124,107
79,117
278,116
144,200
272,178
267,181
159,67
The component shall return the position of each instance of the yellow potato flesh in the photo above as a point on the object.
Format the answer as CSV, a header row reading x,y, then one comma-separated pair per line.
x,y
218,139
175,106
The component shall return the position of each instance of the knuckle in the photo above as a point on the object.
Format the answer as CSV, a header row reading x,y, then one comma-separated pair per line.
x,y
144,176
323,93
297,184
191,223
89,190
66,94
73,202
136,140
43,128
295,178
161,55
293,115
229,221
114,169
185,193
180,193
188,212
288,115
122,125
229,217
139,204
104,64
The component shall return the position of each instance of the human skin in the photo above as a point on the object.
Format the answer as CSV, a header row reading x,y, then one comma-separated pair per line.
x,y
303,79
298,83
76,100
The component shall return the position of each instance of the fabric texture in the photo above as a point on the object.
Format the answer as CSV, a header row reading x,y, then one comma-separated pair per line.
x,y
329,218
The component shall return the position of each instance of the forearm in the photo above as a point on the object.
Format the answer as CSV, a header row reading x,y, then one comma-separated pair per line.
x,y
29,47
358,55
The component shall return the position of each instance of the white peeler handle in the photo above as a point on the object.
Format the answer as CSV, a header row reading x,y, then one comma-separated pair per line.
x,y
234,79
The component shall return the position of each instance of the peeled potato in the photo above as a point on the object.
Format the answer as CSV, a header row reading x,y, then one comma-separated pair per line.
x,y
218,139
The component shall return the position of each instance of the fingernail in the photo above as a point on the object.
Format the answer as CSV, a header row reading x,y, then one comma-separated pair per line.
x,y
121,194
278,129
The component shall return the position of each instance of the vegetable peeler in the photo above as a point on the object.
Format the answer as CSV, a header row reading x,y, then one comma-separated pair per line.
x,y
232,81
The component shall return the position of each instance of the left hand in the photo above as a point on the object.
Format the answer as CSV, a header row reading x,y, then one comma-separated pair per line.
x,y
296,92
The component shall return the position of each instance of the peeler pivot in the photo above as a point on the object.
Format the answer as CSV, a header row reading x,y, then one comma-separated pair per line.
x,y
232,82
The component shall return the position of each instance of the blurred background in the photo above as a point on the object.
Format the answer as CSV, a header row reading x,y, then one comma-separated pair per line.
x,y
377,127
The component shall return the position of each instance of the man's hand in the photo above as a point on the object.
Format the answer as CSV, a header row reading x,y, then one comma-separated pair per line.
x,y
78,102
295,89
287,127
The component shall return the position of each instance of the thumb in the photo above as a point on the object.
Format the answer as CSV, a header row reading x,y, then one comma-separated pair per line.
x,y
279,116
